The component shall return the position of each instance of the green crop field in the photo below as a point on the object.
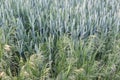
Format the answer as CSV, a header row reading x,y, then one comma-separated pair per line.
x,y
59,39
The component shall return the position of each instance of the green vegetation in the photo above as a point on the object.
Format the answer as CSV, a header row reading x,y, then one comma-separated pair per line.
x,y
59,39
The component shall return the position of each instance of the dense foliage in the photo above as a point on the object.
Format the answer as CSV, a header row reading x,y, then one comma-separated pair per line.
x,y
59,39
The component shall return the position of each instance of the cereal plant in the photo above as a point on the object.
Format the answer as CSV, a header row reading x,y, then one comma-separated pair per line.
x,y
59,39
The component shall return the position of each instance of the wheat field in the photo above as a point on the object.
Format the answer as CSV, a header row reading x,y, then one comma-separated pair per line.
x,y
59,39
